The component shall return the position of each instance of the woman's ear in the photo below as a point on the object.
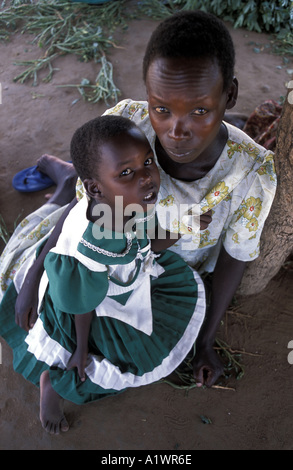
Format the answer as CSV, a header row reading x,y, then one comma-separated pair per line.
x,y
92,187
232,94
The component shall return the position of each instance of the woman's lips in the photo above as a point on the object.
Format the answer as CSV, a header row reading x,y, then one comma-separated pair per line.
x,y
179,153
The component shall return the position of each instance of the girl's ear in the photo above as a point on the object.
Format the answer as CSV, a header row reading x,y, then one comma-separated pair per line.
x,y
232,94
92,187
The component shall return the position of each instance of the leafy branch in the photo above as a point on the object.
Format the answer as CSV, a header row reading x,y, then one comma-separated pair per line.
x,y
104,87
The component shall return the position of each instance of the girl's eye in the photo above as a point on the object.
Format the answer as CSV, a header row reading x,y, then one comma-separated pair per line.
x,y
200,111
125,172
149,161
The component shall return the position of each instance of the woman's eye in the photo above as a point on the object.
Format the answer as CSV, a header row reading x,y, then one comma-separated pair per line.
x,y
161,109
125,172
200,111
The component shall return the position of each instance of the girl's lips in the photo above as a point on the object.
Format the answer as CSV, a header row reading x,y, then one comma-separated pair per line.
x,y
151,197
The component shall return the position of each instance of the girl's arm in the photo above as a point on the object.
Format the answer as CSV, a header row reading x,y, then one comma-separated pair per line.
x,y
27,300
79,357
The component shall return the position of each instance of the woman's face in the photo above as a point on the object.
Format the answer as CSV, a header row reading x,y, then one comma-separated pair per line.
x,y
186,105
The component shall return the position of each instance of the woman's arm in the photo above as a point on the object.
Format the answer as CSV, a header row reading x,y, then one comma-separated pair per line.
x,y
27,300
162,239
227,276
79,357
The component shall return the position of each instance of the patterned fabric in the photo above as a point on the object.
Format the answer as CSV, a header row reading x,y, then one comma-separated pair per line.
x,y
20,252
239,190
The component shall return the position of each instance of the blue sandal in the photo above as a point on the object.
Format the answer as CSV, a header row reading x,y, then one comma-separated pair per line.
x,y
31,180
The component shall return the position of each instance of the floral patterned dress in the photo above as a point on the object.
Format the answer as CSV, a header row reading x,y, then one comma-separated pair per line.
x,y
239,190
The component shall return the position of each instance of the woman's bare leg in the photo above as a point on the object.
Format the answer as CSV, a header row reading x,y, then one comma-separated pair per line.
x,y
64,176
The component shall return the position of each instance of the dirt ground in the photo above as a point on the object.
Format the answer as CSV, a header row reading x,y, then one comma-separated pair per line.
x,y
255,412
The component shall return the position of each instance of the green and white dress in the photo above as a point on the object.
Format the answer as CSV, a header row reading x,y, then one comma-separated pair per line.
x,y
148,311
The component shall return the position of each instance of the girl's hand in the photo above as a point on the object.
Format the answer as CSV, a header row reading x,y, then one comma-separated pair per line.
x,y
26,305
27,301
78,360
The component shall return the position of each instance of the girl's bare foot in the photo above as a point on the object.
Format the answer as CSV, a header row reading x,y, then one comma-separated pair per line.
x,y
64,176
51,407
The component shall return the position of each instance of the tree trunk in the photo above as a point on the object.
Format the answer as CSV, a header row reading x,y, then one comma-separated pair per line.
x,y
277,236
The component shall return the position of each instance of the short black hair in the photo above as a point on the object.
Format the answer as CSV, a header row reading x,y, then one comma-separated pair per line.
x,y
192,34
87,141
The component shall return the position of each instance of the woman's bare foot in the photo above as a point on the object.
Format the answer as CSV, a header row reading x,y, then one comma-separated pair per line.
x,y
64,176
51,407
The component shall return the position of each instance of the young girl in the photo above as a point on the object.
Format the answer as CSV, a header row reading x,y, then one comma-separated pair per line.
x,y
112,314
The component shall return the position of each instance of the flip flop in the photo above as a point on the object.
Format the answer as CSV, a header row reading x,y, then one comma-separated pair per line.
x,y
30,180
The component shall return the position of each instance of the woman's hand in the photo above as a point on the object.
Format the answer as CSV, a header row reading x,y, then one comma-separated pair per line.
x,y
207,367
78,360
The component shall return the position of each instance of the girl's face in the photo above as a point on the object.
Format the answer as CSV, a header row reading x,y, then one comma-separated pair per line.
x,y
186,105
127,169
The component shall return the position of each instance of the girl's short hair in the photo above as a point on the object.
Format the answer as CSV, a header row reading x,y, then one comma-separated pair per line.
x,y
85,147
192,34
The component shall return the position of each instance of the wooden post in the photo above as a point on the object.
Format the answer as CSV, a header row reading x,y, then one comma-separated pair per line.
x,y
277,236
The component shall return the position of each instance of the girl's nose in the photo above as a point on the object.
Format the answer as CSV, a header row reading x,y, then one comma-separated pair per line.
x,y
145,177
178,130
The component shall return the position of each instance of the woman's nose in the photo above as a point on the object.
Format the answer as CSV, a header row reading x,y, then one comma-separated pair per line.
x,y
179,130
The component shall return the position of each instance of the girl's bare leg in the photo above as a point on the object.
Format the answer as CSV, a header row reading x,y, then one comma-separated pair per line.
x,y
64,176
51,407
